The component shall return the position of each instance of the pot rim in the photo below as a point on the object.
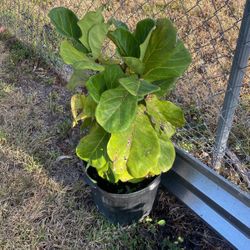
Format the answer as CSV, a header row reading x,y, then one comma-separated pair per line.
x,y
155,182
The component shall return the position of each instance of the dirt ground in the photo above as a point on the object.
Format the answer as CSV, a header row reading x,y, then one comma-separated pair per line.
x,y
44,203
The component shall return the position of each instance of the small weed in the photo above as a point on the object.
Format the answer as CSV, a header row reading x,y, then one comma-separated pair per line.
x,y
167,244
187,146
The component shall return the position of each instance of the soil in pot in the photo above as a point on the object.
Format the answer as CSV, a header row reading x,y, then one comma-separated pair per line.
x,y
119,187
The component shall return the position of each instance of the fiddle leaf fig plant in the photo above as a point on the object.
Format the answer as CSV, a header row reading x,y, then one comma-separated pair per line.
x,y
130,122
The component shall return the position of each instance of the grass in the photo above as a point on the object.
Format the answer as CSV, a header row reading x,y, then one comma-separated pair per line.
x,y
44,203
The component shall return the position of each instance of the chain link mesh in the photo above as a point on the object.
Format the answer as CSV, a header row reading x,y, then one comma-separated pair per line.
x,y
209,29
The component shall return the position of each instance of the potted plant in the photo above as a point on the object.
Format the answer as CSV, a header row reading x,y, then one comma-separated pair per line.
x,y
129,123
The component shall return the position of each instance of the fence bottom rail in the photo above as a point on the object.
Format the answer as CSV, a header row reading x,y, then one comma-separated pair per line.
x,y
223,206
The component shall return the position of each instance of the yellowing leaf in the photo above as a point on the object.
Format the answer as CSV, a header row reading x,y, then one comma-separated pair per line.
x,y
163,111
137,149
77,104
166,159
82,107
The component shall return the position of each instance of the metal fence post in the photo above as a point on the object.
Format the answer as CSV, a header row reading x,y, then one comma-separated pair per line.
x,y
239,64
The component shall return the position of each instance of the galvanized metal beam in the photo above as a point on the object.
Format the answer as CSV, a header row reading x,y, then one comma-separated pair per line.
x,y
240,62
219,203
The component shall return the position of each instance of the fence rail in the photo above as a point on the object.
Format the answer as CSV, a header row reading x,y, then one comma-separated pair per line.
x,y
215,200
210,30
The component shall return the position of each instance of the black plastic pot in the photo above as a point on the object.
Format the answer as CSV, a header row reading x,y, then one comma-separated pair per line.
x,y
124,209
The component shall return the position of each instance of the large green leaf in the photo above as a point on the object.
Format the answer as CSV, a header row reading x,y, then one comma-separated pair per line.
x,y
78,78
166,86
112,74
138,87
165,111
88,64
162,41
174,65
65,22
70,54
166,159
143,28
96,86
136,149
116,110
144,45
93,147
87,22
96,37
126,43
78,59
135,64
165,56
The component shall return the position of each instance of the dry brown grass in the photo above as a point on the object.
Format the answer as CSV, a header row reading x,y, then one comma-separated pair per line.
x,y
44,203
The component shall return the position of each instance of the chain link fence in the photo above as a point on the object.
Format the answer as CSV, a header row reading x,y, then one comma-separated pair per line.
x,y
209,28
